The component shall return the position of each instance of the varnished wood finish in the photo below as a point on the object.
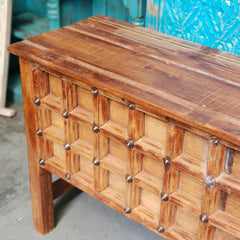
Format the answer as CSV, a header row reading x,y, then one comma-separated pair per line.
x,y
144,122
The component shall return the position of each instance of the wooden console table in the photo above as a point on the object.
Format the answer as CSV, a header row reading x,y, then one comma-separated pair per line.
x,y
147,123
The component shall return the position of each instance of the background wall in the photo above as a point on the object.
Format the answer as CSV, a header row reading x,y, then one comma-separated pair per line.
x,y
75,10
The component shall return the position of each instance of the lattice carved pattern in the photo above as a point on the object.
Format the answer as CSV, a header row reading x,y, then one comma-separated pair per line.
x,y
212,23
179,182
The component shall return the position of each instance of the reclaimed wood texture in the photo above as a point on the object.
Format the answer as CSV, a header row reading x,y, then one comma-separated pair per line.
x,y
146,123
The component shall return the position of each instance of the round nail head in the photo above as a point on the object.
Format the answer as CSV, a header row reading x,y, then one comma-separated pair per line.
x,y
127,210
39,132
131,106
203,218
167,162
37,101
130,143
65,114
42,162
161,229
96,129
129,178
96,161
94,91
164,197
67,146
215,140
68,176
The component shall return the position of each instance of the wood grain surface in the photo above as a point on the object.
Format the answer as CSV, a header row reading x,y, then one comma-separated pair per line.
x,y
185,81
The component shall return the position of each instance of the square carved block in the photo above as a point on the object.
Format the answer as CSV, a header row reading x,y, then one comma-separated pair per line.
x,y
144,122
148,181
81,138
116,124
52,93
153,136
82,167
227,216
194,154
82,104
113,172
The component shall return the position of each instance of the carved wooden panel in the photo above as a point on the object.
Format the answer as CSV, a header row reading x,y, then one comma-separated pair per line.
x,y
178,181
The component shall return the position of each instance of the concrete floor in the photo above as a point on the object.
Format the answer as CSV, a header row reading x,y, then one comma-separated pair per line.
x,y
78,216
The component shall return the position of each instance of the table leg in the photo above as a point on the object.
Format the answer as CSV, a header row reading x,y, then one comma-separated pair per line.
x,y
40,179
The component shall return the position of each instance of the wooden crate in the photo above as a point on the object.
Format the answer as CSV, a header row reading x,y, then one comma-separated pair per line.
x,y
144,122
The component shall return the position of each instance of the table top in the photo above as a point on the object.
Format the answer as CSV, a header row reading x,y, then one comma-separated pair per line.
x,y
184,81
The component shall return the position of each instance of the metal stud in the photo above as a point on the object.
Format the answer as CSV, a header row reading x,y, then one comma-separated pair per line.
x,y
161,229
67,146
129,178
131,106
214,140
164,197
127,210
96,128
68,176
65,113
39,132
96,161
203,218
130,143
41,162
37,101
209,181
94,91
167,162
